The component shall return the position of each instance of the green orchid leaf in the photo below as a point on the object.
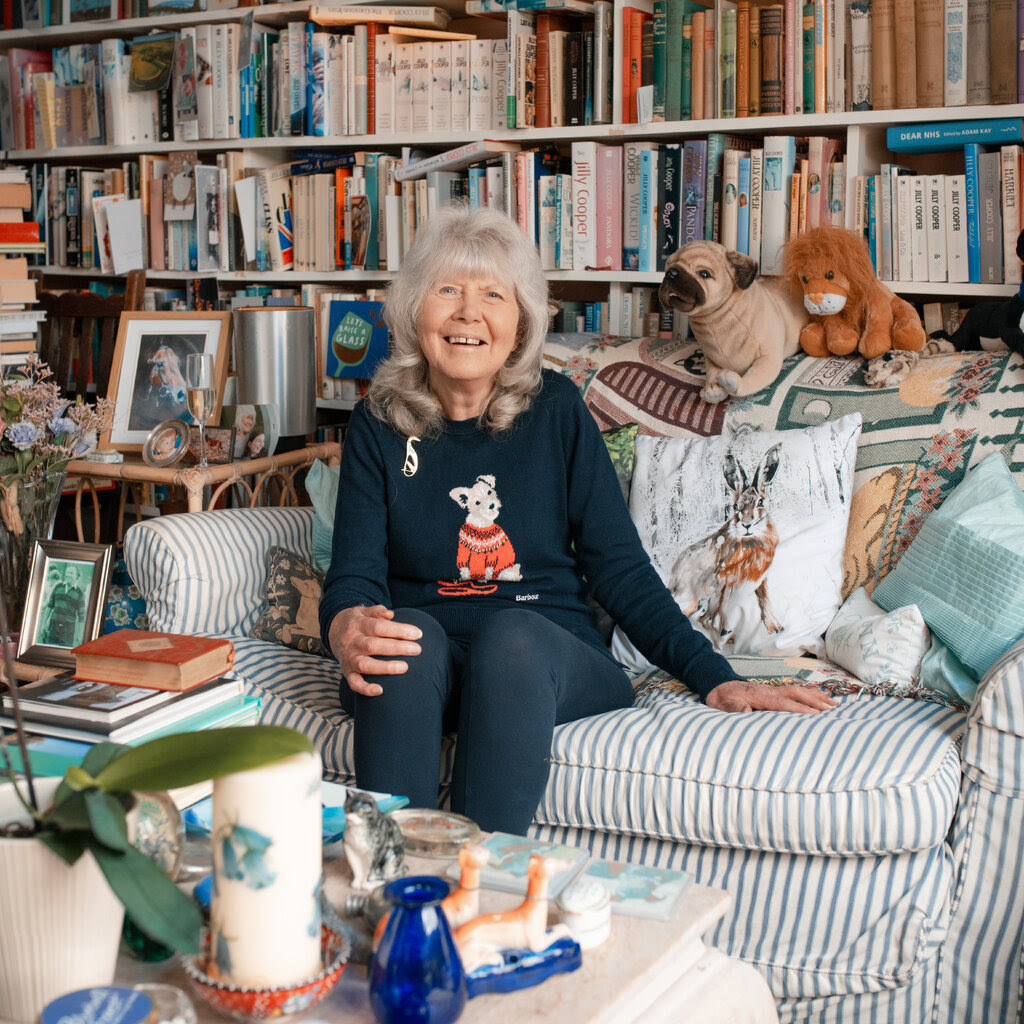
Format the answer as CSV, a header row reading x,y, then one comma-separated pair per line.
x,y
69,846
153,902
95,761
70,813
78,778
181,760
12,404
107,820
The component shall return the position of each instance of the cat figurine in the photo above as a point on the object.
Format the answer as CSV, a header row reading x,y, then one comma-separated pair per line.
x,y
373,842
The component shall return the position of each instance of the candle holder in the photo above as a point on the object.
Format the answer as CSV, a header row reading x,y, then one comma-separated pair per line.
x,y
248,1003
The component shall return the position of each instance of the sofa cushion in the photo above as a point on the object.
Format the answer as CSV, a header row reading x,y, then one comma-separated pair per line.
x,y
322,488
965,568
878,646
747,530
873,775
293,589
919,438
206,571
817,928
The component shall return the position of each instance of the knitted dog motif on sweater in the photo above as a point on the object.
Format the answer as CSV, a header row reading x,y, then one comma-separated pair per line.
x,y
485,551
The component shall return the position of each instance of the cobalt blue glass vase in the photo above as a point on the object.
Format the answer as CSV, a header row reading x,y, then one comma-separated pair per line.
x,y
416,973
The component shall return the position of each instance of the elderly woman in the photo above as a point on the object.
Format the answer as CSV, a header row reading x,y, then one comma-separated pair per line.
x,y
477,508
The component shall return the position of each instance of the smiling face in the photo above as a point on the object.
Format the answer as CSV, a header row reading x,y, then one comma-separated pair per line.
x,y
467,330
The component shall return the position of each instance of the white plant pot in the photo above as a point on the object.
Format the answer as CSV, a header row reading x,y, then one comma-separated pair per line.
x,y
60,924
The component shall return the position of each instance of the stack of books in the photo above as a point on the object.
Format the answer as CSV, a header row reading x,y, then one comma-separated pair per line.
x,y
128,687
19,323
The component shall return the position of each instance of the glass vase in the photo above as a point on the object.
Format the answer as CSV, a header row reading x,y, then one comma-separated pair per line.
x,y
27,511
416,973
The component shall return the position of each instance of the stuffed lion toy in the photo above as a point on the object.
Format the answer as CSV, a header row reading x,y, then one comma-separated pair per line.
x,y
851,310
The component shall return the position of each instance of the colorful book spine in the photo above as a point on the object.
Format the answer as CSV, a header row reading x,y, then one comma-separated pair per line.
x,y
609,195
743,206
756,196
727,61
972,209
694,189
584,186
948,135
670,178
673,58
648,256
807,37
686,71
772,67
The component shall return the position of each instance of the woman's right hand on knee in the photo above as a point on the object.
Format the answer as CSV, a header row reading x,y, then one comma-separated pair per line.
x,y
364,639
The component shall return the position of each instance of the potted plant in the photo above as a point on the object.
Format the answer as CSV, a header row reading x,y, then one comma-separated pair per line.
x,y
67,866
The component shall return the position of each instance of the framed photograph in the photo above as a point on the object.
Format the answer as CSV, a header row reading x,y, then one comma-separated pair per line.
x,y
256,431
147,380
67,594
220,443
166,444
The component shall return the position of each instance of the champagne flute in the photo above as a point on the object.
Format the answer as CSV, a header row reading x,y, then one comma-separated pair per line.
x,y
199,382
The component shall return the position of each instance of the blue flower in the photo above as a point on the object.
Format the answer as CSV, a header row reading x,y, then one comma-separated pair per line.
x,y
63,425
23,434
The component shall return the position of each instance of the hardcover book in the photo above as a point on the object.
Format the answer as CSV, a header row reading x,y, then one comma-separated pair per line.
x,y
163,661
948,135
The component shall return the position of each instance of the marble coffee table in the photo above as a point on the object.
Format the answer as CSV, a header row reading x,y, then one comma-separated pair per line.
x,y
646,970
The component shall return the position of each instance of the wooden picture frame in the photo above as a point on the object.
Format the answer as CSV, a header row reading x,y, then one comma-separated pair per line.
x,y
66,601
220,444
147,380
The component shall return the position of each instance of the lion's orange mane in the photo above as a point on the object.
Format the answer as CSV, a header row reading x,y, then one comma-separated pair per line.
x,y
826,248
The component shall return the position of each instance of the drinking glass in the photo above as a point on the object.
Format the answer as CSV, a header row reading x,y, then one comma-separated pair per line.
x,y
199,382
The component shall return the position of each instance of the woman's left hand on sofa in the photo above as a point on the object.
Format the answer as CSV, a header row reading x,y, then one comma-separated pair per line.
x,y
739,695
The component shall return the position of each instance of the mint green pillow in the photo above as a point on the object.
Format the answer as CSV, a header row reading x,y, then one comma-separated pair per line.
x,y
965,568
322,487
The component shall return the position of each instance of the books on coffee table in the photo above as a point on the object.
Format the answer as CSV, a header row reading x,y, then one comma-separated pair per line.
x,y
164,661
509,859
93,711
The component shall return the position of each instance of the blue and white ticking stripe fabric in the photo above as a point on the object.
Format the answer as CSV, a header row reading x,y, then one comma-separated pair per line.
x,y
205,572
874,775
875,878
838,939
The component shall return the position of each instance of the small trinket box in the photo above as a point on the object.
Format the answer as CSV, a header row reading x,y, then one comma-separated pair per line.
x,y
586,908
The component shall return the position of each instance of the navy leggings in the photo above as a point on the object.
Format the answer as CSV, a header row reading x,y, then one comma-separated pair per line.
x,y
519,677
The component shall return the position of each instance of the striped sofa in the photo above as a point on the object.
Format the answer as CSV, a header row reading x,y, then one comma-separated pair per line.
x,y
874,852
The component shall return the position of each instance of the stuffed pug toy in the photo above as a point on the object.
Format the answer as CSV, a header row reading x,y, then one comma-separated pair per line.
x,y
850,309
745,325
989,323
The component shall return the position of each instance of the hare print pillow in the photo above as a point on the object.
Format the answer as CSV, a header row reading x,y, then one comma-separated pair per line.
x,y
747,531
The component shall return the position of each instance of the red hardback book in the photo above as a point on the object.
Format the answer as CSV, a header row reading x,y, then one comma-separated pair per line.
x,y
163,661
19,231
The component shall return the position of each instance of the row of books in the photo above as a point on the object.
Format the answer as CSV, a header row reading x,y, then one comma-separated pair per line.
x,y
739,58
30,14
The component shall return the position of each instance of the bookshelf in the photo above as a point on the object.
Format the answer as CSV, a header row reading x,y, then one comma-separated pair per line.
x,y
861,133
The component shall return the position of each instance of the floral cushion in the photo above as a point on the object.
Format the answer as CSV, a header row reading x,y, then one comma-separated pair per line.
x,y
126,607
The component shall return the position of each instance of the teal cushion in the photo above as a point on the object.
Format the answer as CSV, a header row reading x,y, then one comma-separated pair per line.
x,y
322,487
965,568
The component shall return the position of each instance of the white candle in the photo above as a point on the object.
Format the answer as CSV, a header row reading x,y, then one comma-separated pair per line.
x,y
267,864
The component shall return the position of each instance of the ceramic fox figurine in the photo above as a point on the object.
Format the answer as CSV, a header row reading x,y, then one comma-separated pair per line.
x,y
481,940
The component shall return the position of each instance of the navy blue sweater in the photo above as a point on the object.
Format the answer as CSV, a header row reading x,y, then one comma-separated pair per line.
x,y
517,520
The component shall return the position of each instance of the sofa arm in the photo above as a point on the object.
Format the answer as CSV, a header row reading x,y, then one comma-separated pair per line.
x,y
993,748
205,572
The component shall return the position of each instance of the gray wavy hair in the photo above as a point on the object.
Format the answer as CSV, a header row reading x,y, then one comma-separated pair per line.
x,y
459,241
